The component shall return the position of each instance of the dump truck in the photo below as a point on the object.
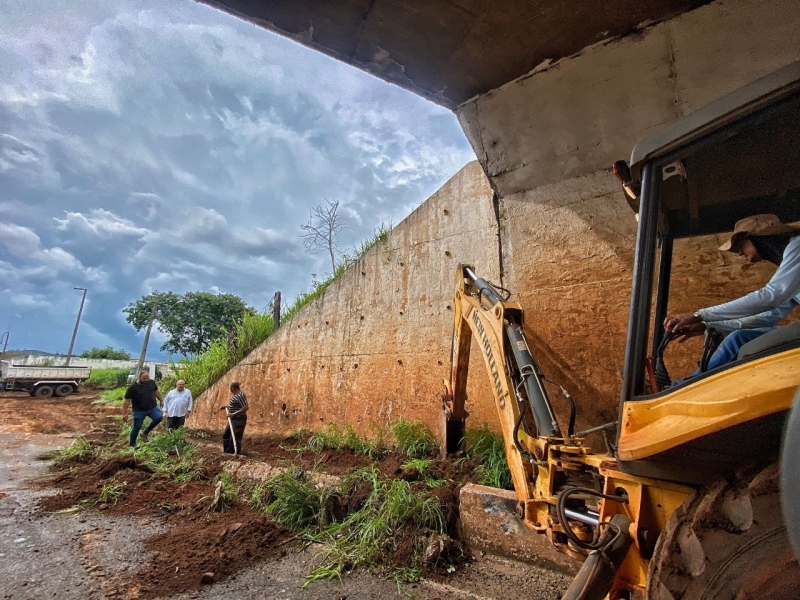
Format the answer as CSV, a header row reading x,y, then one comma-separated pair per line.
x,y
41,381
684,500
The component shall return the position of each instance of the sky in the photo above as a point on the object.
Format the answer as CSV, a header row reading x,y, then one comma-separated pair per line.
x,y
165,145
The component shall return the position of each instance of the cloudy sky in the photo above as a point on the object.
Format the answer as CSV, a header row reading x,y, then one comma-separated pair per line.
x,y
164,145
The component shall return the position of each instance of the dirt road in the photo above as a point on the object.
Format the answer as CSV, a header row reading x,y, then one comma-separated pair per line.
x,y
93,554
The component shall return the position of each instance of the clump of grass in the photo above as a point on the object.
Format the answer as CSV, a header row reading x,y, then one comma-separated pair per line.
x,y
108,378
330,438
170,455
115,397
489,449
373,448
110,493
226,493
424,467
296,500
299,435
261,496
414,439
375,530
79,449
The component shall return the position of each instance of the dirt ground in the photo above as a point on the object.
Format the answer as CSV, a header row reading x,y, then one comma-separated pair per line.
x,y
155,543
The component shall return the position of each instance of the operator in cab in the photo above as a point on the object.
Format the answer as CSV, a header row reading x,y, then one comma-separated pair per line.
x,y
756,238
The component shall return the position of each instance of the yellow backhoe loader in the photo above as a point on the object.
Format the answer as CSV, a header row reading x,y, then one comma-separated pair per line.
x,y
684,502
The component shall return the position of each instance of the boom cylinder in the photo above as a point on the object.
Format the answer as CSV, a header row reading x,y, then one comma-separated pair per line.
x,y
543,414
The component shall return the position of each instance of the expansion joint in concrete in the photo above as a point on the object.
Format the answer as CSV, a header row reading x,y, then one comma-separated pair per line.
x,y
496,207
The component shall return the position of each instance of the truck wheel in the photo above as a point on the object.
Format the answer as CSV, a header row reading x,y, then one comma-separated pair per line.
x,y
43,391
727,540
64,389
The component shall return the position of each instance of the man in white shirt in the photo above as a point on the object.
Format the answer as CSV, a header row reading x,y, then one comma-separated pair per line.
x,y
760,237
178,405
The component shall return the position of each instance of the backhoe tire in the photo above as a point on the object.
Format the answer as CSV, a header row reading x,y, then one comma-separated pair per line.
x,y
727,541
43,391
64,389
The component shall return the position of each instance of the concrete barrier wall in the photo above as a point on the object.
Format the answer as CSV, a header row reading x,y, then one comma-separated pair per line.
x,y
376,345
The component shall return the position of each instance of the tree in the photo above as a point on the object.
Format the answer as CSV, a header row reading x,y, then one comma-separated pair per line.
x,y
191,321
107,352
323,229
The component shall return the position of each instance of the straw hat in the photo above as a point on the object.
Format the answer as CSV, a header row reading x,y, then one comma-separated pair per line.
x,y
755,225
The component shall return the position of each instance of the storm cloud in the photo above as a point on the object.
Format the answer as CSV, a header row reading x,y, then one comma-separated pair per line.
x,y
164,145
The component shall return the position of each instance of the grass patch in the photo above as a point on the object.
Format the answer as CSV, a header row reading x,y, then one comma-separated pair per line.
x,y
375,531
295,500
226,493
169,455
425,468
335,438
414,439
489,449
79,449
113,397
109,378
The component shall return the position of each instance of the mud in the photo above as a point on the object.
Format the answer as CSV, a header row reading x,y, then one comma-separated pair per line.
x,y
158,539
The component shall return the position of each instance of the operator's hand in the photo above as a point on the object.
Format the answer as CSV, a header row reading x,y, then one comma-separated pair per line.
x,y
125,417
678,323
691,331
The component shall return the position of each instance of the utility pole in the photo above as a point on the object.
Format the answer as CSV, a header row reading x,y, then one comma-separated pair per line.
x,y
5,344
146,340
77,322
276,311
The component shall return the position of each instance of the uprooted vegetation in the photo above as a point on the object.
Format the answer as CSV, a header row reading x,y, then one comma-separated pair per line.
x,y
382,502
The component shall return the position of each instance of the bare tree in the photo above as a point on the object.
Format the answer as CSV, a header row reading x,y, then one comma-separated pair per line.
x,y
323,229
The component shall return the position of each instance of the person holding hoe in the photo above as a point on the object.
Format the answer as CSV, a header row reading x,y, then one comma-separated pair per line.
x,y
236,411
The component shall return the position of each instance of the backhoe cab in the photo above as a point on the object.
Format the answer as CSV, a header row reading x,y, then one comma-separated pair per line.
x,y
684,503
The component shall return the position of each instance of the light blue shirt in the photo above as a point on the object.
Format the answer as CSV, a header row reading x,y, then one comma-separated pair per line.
x,y
764,307
177,404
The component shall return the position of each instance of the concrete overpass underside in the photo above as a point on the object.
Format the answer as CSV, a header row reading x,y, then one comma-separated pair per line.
x,y
452,50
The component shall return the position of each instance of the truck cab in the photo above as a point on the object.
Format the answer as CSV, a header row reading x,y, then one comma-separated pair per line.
x,y
155,371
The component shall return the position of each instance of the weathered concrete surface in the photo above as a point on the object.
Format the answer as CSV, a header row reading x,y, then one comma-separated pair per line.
x,y
450,51
584,112
376,345
490,523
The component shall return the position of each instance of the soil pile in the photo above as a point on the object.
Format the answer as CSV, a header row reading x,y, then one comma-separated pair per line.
x,y
198,546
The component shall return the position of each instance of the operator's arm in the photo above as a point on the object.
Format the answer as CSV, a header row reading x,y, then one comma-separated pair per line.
x,y
158,395
191,404
769,318
165,405
784,285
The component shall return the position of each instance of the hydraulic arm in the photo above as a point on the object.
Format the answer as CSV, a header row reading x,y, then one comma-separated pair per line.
x,y
585,506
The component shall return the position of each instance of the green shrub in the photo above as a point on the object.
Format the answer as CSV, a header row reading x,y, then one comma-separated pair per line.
x,y
109,378
114,397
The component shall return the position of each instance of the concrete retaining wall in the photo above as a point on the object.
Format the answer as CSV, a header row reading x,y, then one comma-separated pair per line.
x,y
376,345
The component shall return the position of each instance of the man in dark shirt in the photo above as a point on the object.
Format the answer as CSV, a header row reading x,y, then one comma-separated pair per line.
x,y
141,395
236,411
